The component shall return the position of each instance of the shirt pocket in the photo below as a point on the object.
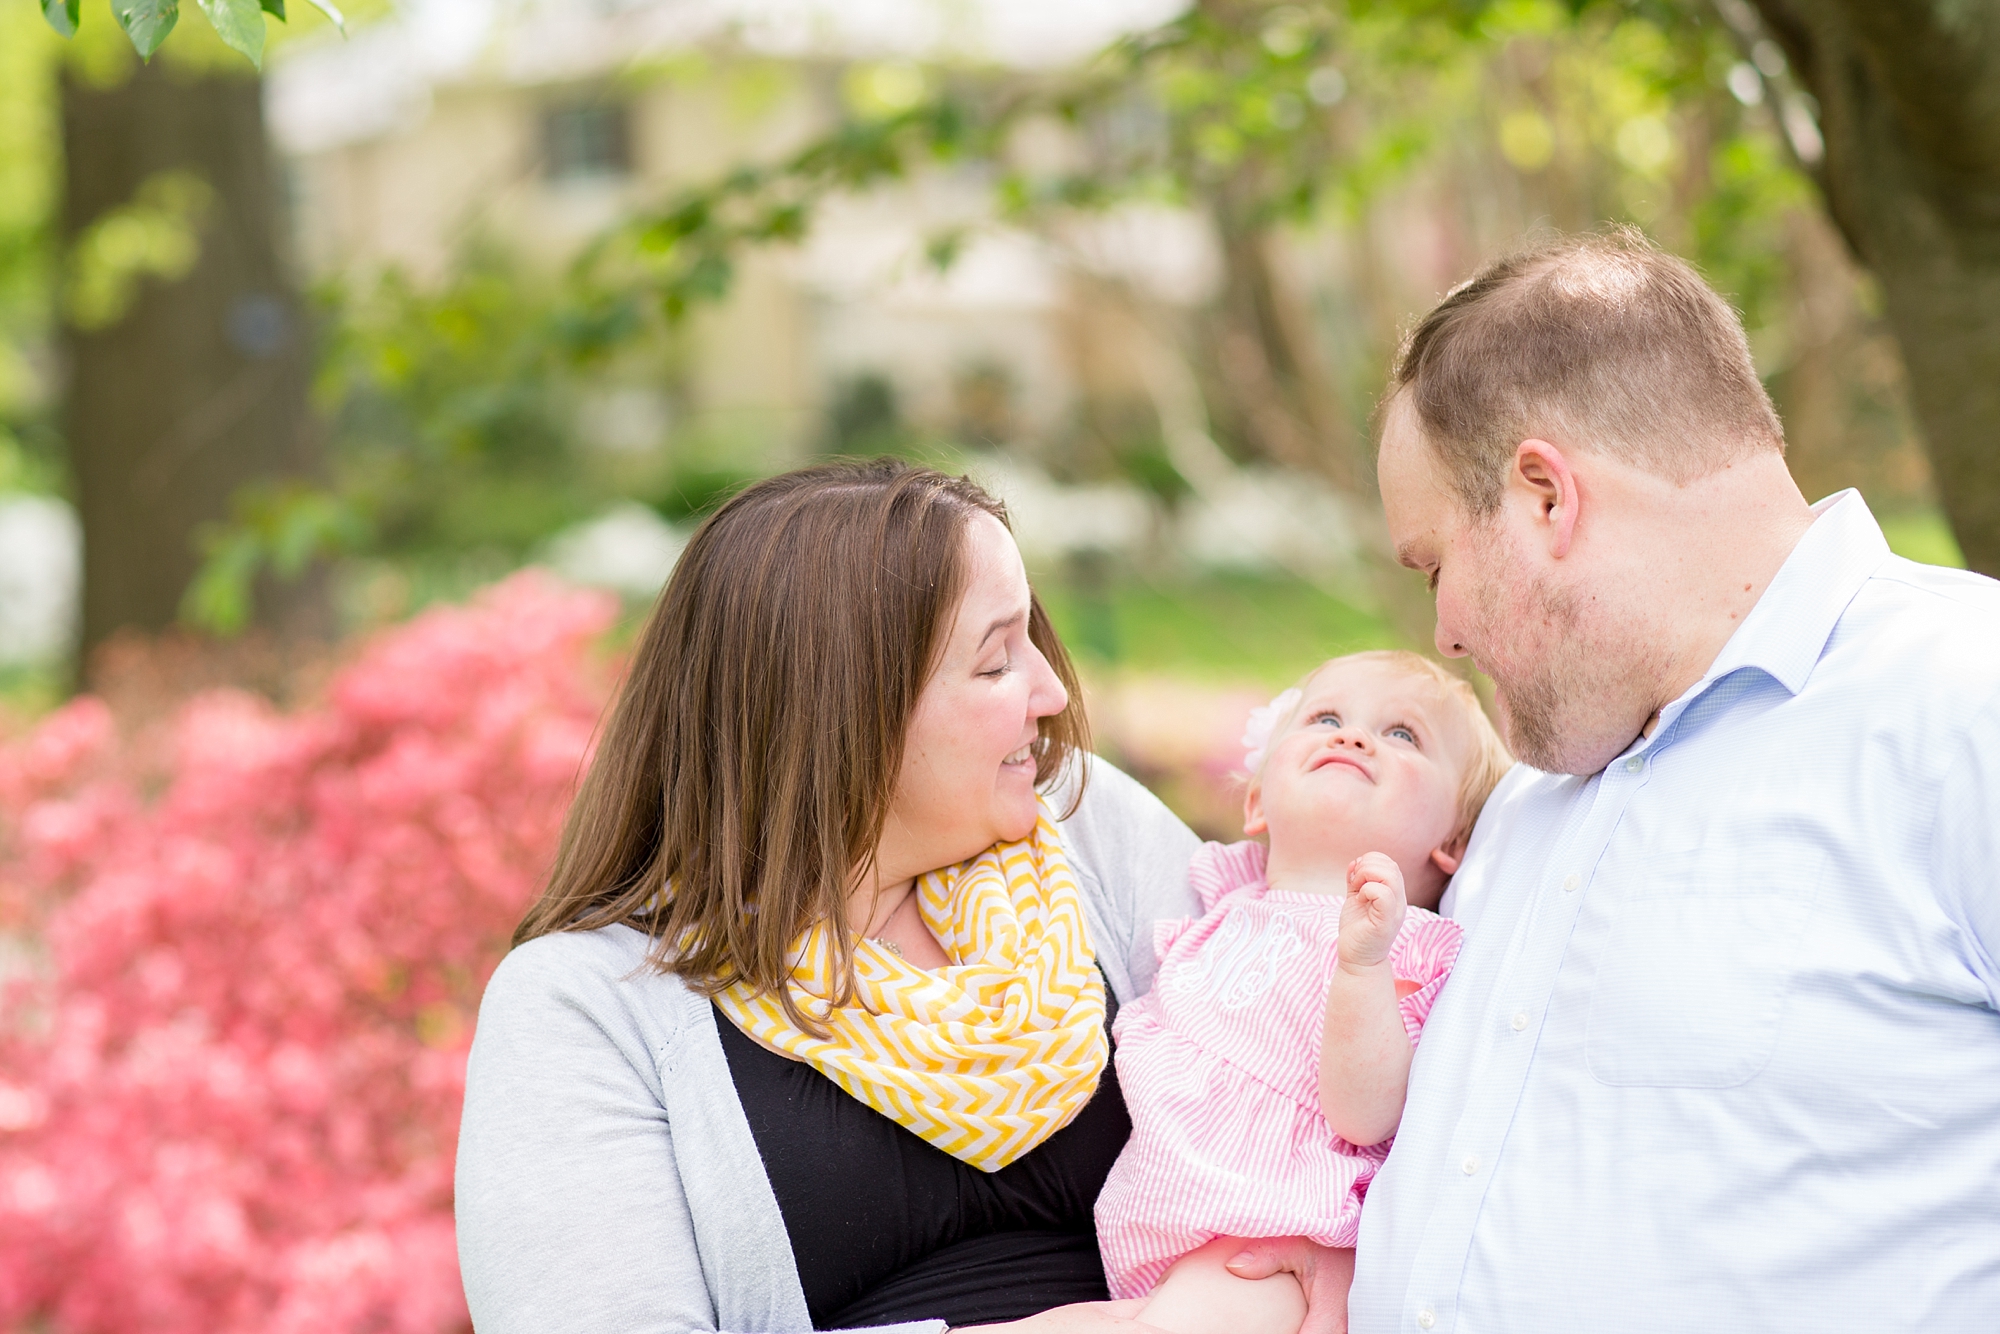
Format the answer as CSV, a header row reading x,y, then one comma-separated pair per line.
x,y
1692,987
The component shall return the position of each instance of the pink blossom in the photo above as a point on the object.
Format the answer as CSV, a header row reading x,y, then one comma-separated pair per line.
x,y
239,974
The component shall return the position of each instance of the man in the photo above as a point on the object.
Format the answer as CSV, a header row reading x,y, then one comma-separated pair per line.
x,y
1722,1051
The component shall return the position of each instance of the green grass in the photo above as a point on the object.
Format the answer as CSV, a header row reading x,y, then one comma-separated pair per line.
x,y
1922,535
26,693
1238,628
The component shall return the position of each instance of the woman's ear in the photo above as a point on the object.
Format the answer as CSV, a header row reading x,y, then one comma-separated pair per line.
x,y
1451,854
1253,810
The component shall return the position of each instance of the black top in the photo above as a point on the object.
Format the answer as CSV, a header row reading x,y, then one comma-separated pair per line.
x,y
886,1227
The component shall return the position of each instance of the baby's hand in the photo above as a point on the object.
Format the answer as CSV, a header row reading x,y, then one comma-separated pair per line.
x,y
1372,914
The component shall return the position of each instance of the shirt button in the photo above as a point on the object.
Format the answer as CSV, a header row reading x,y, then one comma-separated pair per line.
x,y
1570,882
1425,1319
1470,1165
1520,1021
1635,764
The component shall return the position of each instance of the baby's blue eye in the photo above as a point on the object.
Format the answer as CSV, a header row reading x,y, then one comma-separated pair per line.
x,y
1403,732
1330,719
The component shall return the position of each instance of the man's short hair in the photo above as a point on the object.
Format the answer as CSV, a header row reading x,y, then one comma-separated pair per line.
x,y
1601,342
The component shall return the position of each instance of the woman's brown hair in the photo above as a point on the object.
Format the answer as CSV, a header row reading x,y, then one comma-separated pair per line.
x,y
748,766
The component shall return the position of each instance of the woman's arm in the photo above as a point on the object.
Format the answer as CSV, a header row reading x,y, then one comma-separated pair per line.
x,y
572,1213
592,1197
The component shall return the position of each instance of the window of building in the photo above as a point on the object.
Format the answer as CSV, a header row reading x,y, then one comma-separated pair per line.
x,y
583,141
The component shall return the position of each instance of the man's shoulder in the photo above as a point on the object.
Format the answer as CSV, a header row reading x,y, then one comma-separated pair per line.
x,y
1931,601
1924,627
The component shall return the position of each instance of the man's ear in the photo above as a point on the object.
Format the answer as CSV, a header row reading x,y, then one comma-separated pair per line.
x,y
1254,822
1451,854
1541,470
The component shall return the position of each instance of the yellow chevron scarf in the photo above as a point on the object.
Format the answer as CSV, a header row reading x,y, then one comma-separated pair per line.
x,y
986,1057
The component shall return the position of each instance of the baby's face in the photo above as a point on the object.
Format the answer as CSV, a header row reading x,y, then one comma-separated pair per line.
x,y
1370,762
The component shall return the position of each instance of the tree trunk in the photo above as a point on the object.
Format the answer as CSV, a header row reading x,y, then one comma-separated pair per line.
x,y
1909,98
1275,384
199,385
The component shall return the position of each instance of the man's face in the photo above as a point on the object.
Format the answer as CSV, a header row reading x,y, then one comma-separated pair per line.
x,y
1569,680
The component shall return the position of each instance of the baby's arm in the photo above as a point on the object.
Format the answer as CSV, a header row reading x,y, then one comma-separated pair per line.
x,y
1364,1062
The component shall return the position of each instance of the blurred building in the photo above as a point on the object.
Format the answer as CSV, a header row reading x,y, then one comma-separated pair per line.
x,y
537,123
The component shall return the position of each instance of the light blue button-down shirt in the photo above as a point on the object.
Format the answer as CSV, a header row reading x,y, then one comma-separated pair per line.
x,y
1722,1051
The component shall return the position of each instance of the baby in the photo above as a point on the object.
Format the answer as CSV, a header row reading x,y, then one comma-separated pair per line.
x,y
1266,1069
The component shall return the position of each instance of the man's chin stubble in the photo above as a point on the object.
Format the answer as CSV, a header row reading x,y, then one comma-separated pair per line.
x,y
1530,733
1543,734
1561,717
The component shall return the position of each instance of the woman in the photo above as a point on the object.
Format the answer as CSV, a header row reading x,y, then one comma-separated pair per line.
x,y
720,1084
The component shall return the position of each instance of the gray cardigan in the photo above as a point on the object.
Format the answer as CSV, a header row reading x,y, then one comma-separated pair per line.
x,y
607,1179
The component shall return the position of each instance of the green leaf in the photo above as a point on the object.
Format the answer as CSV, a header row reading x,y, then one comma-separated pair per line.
x,y
218,600
307,524
240,23
943,249
62,15
276,9
784,222
339,19
147,22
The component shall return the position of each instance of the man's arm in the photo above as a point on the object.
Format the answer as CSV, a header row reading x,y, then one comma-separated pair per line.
x,y
1965,849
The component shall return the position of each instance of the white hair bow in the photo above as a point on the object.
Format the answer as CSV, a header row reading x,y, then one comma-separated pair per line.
x,y
1257,731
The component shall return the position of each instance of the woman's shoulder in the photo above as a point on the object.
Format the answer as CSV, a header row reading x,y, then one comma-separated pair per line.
x,y
1119,822
565,959
606,976
1130,854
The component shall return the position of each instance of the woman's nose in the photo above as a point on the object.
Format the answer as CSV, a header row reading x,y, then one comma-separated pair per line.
x,y
1048,698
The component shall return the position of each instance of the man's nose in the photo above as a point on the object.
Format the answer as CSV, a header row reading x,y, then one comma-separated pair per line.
x,y
1448,643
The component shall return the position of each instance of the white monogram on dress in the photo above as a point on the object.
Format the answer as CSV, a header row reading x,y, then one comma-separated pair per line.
x,y
1241,960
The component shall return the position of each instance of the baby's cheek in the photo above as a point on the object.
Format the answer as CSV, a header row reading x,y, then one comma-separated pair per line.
x,y
1442,804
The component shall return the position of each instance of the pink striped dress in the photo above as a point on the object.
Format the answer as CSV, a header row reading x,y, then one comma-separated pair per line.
x,y
1219,1065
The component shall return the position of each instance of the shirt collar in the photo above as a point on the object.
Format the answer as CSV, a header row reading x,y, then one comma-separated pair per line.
x,y
1787,630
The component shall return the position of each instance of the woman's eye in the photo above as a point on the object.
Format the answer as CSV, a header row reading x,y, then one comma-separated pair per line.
x,y
1402,733
995,673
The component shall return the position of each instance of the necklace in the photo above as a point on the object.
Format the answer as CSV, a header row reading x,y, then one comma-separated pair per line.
x,y
888,945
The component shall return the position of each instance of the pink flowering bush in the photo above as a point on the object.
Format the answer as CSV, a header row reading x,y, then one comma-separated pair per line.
x,y
1183,739
239,967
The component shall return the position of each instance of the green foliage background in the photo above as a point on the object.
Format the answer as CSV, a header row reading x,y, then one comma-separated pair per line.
x,y
451,408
